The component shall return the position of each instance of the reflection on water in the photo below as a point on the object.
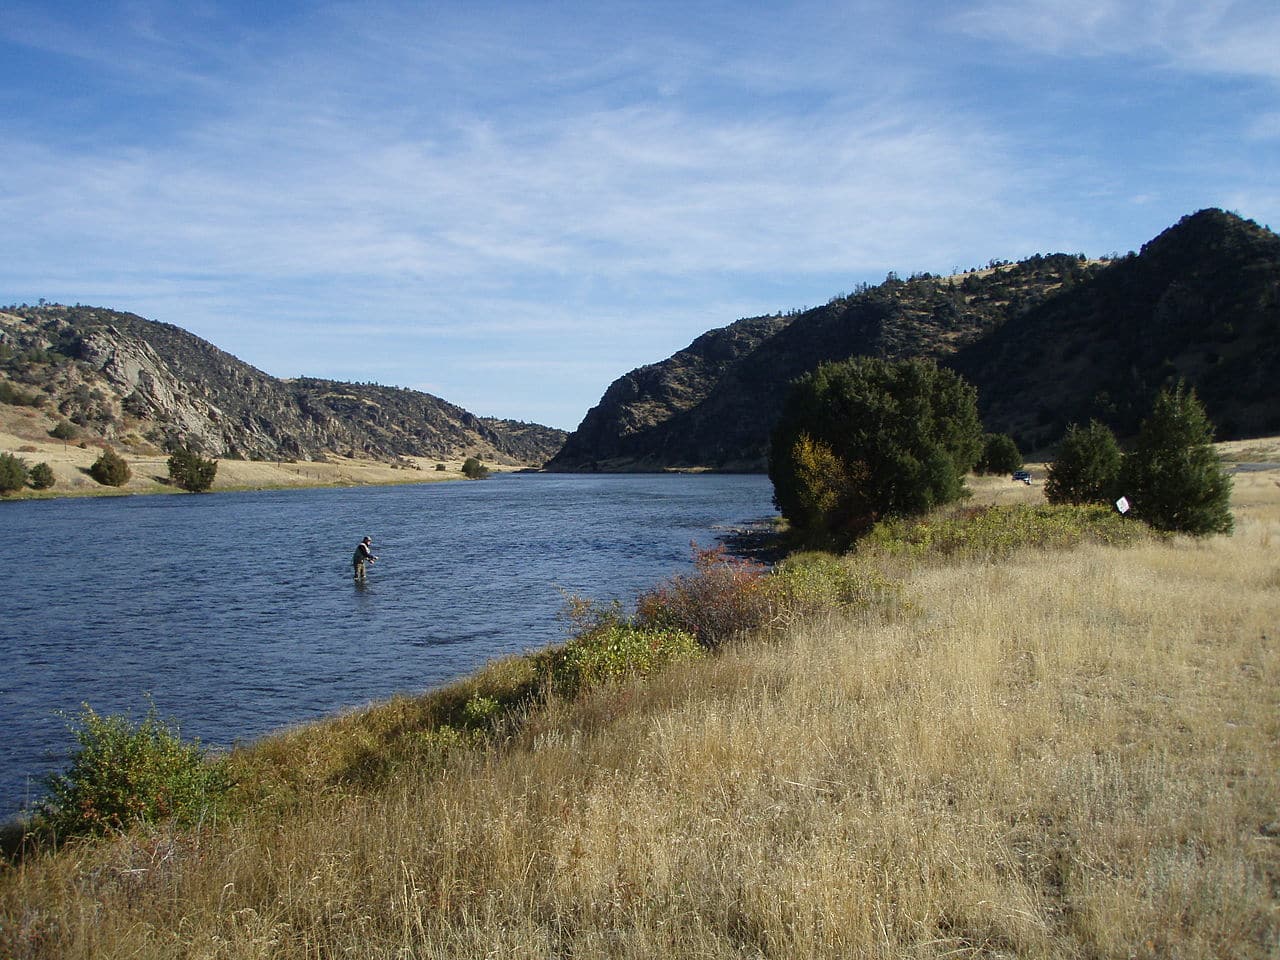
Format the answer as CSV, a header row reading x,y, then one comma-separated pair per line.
x,y
237,613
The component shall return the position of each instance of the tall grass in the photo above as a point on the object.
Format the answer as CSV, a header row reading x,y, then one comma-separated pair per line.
x,y
1065,753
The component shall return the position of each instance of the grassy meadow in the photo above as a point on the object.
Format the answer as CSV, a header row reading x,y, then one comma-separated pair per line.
x,y
1058,750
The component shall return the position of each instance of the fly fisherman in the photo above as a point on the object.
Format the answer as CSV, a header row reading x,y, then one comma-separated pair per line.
x,y
363,555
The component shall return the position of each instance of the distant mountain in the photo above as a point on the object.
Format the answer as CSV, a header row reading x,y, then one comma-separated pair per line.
x,y
633,422
1046,341
118,374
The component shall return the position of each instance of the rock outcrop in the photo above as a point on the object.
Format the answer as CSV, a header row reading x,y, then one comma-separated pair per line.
x,y
117,373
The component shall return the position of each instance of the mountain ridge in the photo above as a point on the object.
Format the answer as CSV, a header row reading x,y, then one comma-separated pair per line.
x,y
1048,340
1014,330
117,375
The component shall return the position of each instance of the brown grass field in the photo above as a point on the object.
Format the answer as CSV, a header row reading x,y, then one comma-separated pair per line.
x,y
1063,754
24,432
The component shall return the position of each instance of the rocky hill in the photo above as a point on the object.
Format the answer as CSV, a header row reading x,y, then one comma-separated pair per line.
x,y
118,374
1201,302
631,426
1046,341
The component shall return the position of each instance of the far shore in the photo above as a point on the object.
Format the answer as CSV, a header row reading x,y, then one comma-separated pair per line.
x,y
24,432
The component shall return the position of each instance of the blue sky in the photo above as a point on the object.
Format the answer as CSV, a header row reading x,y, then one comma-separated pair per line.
x,y
511,204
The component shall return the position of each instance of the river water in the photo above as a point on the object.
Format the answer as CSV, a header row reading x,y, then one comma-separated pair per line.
x,y
236,614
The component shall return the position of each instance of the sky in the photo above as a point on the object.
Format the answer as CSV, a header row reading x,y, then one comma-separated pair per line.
x,y
511,204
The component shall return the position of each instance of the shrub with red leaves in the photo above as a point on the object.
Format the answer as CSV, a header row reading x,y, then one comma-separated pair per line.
x,y
723,598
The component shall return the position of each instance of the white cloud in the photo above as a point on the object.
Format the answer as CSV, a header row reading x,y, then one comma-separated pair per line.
x,y
383,185
657,189
1215,36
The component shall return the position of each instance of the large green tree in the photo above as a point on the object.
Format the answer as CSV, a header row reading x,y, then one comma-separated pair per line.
x,y
1087,466
110,469
1000,454
866,438
1173,477
13,473
191,471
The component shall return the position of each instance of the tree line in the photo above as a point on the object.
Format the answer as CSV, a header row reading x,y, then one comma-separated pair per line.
x,y
865,439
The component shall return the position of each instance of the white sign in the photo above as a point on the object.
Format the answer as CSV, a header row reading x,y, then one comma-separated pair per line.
x,y
1123,505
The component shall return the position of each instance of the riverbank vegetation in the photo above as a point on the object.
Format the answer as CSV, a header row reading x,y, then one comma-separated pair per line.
x,y
994,731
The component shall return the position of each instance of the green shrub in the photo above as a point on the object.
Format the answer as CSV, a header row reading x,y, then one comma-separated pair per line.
x,y
440,466
997,531
1087,466
13,473
63,430
1000,454
480,711
41,476
614,652
473,469
122,774
1173,477
810,583
724,598
110,469
190,471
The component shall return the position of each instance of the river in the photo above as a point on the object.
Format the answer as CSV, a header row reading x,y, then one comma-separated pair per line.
x,y
236,614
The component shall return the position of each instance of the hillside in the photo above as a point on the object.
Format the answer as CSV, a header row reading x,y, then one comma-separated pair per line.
x,y
1046,340
117,375
633,419
1201,301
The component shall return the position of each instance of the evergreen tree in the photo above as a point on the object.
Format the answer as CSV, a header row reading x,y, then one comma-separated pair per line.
x,y
1087,466
191,471
63,430
110,469
13,473
473,469
1173,477
41,477
1000,454
866,438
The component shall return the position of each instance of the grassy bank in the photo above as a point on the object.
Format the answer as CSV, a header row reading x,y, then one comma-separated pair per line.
x,y
1049,751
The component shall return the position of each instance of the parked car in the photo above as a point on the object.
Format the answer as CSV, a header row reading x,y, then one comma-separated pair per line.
x,y
1022,475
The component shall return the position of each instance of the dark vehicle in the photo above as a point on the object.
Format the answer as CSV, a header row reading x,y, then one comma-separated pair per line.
x,y
1024,476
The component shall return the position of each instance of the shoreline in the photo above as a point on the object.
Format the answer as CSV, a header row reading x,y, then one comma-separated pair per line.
x,y
756,540
24,433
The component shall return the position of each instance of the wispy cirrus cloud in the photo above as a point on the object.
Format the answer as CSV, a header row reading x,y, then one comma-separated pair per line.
x,y
1216,36
379,187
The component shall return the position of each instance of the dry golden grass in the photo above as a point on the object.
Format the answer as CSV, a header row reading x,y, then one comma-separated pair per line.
x,y
1070,754
24,432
